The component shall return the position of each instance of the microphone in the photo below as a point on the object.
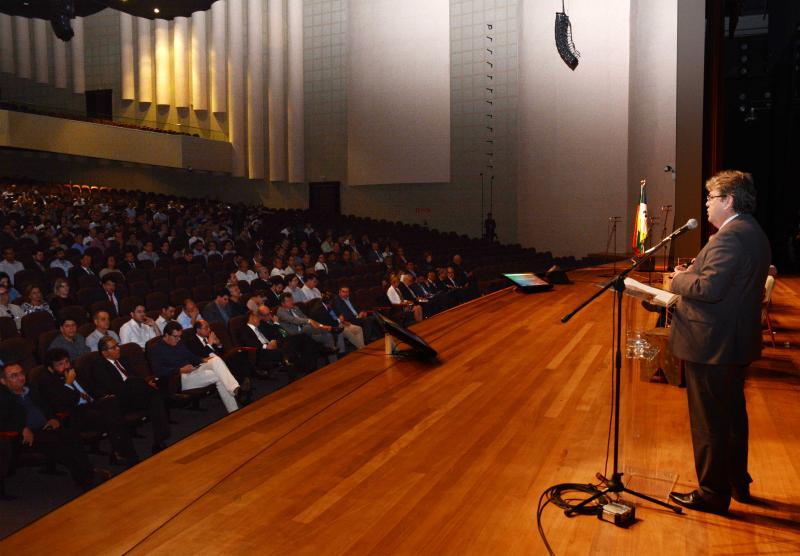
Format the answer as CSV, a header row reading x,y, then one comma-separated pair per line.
x,y
691,224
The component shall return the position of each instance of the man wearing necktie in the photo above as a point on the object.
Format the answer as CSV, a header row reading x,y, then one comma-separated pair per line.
x,y
64,393
110,375
295,322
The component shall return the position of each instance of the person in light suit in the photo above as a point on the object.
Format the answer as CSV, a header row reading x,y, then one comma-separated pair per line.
x,y
716,330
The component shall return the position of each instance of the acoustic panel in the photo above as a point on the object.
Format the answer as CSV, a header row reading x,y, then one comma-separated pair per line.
x,y
398,92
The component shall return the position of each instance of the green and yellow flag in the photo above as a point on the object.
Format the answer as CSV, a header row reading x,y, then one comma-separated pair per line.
x,y
640,227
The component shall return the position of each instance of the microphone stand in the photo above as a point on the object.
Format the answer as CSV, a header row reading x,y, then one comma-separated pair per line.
x,y
614,483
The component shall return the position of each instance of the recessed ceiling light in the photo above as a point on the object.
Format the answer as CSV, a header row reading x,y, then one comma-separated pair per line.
x,y
156,10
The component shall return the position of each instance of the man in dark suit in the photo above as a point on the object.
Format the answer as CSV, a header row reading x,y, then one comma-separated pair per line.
x,y
84,268
62,391
108,293
272,296
268,352
343,306
129,262
217,310
24,411
716,330
111,375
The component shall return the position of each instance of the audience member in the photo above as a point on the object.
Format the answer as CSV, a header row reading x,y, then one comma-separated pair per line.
x,y
62,391
102,324
22,410
189,315
165,314
139,329
33,300
69,340
294,321
171,357
110,375
218,309
10,265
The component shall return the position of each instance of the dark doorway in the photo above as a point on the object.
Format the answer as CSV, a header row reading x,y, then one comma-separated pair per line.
x,y
98,104
323,196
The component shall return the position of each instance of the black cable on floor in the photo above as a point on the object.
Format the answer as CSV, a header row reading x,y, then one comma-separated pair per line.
x,y
556,494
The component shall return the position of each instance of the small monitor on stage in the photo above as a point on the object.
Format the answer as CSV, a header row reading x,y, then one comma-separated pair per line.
x,y
420,349
529,282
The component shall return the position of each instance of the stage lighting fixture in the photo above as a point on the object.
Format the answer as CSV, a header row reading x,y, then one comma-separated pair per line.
x,y
61,12
566,48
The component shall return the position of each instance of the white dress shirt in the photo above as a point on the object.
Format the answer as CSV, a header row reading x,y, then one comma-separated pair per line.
x,y
136,333
310,293
394,296
248,276
11,268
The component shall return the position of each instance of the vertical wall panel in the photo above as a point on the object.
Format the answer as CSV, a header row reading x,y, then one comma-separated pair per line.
x,y
398,79
77,48
255,90
237,131
199,62
145,60
59,63
295,131
128,91
40,32
6,44
163,74
277,92
217,56
180,55
23,46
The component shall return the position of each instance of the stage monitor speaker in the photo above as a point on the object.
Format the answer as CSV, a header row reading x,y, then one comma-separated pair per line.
x,y
420,349
528,282
556,275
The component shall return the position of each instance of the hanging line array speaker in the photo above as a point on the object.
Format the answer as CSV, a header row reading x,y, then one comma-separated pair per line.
x,y
566,48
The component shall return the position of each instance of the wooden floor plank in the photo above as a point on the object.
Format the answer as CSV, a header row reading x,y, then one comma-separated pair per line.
x,y
374,455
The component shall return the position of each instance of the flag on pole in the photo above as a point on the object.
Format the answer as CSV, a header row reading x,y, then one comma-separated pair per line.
x,y
640,226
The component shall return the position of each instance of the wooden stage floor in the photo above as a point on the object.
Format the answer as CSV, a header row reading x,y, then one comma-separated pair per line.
x,y
384,456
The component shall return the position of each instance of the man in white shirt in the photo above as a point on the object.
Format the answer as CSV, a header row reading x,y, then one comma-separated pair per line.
x,y
8,309
139,329
149,253
277,268
102,322
165,315
244,273
310,290
10,265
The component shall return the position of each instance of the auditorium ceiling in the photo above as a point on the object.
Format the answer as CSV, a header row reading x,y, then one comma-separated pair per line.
x,y
167,9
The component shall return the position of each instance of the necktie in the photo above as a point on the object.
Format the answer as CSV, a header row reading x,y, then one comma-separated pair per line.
x,y
121,371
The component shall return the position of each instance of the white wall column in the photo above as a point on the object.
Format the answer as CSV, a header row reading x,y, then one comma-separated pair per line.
x,y
296,123
163,73
218,57
23,46
277,91
145,60
180,55
59,63
255,90
40,33
128,91
199,62
77,49
6,44
237,131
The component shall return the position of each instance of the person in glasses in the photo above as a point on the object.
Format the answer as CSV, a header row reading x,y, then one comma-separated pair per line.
x,y
716,330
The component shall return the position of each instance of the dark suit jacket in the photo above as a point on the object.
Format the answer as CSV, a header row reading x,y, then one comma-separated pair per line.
x,y
126,267
259,284
271,299
56,393
12,413
100,295
322,315
341,308
105,378
212,313
718,318
194,344
406,292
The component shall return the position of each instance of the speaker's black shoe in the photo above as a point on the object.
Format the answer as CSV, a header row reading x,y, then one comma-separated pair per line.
x,y
694,501
741,494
